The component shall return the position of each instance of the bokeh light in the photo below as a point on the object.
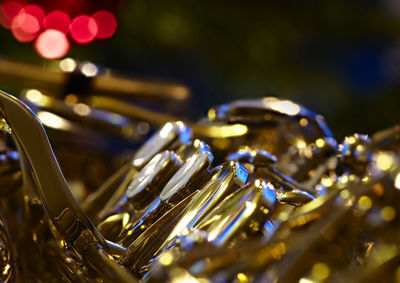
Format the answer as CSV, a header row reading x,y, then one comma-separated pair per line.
x,y
25,27
89,69
8,11
67,65
52,44
83,29
36,12
106,23
57,20
27,21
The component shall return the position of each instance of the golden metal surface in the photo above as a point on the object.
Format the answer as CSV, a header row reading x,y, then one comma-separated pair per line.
x,y
116,85
281,201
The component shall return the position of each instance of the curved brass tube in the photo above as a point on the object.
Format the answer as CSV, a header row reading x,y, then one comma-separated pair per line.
x,y
60,205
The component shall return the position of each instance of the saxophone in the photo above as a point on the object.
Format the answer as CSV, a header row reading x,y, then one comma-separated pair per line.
x,y
257,191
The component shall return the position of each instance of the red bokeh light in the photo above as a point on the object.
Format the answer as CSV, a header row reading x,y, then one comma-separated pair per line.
x,y
106,23
36,12
25,27
8,11
27,23
52,44
57,20
83,29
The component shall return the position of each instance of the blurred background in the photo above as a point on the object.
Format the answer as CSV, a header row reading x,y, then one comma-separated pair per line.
x,y
339,58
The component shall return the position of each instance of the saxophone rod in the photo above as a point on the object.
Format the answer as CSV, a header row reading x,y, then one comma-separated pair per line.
x,y
157,118
107,83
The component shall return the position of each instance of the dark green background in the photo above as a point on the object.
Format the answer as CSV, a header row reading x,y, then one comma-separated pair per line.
x,y
339,58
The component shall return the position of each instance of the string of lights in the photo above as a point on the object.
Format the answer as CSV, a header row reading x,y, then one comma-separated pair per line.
x,y
52,31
